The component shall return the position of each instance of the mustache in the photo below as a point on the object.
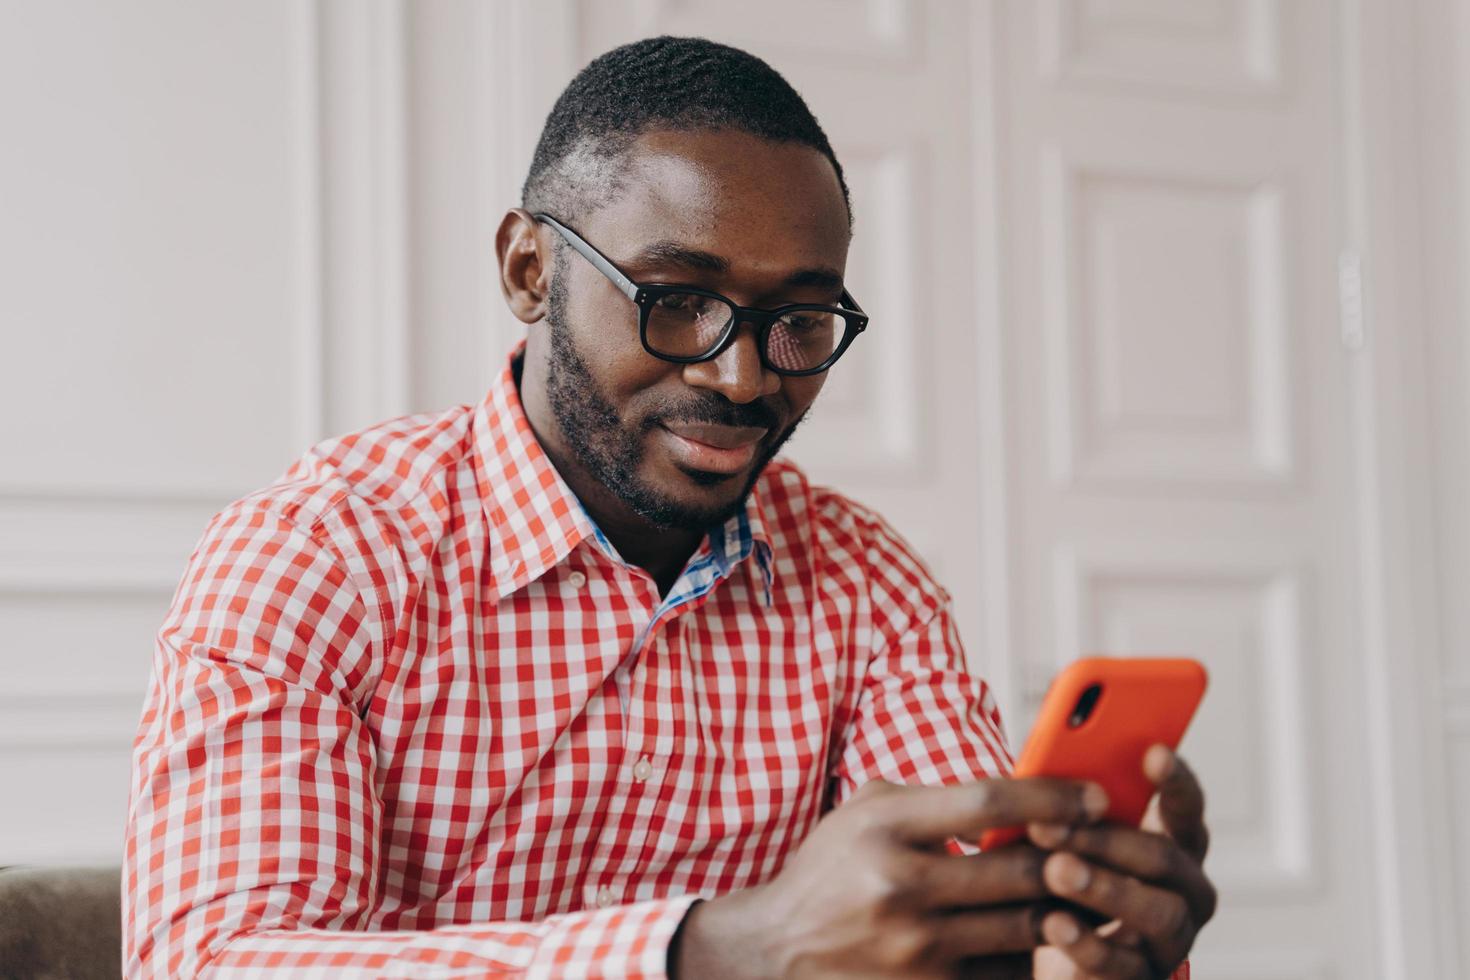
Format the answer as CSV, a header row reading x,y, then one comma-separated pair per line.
x,y
718,411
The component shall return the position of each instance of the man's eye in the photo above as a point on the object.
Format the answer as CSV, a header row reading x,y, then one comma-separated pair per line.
x,y
683,301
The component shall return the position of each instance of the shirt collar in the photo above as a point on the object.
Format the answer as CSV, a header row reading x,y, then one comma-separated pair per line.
x,y
741,536
533,518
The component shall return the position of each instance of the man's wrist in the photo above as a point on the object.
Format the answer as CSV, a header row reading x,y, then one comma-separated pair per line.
x,y
719,939
676,942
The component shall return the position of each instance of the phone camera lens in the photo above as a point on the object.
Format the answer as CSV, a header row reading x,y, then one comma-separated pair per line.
x,y
1085,704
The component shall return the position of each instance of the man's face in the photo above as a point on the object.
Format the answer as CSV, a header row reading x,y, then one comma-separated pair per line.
x,y
763,223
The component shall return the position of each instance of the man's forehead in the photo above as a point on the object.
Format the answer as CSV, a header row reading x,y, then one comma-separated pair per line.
x,y
724,190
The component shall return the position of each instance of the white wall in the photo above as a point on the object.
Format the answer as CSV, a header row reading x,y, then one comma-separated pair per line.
x,y
156,309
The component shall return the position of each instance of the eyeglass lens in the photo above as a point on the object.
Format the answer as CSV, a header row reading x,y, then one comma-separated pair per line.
x,y
690,324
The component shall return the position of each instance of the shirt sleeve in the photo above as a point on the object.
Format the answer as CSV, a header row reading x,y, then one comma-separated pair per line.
x,y
921,717
252,838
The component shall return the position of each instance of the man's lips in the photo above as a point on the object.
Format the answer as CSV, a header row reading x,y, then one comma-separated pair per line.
x,y
713,448
719,436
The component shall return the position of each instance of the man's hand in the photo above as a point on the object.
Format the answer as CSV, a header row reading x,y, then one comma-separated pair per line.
x,y
873,892
1148,882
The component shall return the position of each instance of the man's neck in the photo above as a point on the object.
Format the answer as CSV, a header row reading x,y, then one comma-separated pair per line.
x,y
661,552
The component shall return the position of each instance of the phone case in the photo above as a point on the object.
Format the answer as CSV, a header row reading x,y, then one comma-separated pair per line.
x,y
1140,702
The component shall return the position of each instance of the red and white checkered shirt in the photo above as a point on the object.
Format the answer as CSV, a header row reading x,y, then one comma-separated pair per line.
x,y
411,715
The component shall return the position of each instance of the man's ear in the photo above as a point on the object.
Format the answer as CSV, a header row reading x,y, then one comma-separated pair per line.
x,y
525,264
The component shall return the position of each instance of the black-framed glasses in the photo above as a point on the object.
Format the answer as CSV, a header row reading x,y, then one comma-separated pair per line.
x,y
686,324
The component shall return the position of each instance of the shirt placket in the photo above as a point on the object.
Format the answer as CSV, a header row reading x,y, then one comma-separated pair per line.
x,y
605,881
652,719
651,716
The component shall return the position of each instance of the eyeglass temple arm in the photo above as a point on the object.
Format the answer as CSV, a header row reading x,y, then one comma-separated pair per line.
x,y
598,260
601,263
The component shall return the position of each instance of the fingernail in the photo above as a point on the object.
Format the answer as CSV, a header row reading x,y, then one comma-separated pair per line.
x,y
1094,801
1072,874
1060,930
1049,834
1160,760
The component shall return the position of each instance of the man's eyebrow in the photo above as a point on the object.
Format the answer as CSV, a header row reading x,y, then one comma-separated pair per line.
x,y
829,279
669,252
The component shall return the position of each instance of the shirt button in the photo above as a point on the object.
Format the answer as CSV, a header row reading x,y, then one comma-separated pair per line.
x,y
605,897
642,769
576,580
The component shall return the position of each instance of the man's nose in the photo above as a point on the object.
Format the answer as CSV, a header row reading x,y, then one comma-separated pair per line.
x,y
737,373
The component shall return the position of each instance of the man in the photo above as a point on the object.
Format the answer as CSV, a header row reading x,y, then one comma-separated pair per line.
x,y
580,680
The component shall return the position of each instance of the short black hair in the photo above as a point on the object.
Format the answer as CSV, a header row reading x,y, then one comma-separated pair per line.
x,y
675,83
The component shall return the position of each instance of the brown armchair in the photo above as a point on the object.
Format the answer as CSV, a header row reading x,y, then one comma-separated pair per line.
x,y
60,923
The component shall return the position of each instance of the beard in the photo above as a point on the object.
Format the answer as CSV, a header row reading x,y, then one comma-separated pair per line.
x,y
612,449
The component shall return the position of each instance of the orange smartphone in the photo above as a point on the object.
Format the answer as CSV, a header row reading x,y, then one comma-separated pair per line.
x,y
1099,717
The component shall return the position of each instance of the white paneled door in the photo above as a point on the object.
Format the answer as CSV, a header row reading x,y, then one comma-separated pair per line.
x,y
1104,387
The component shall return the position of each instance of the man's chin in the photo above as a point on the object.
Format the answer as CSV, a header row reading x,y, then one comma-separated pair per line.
x,y
705,499
706,478
717,503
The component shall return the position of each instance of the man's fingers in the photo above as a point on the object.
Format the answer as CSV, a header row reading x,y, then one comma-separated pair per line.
x,y
1181,801
1160,916
1092,954
1050,963
933,814
1002,876
1118,934
1147,856
1013,966
998,930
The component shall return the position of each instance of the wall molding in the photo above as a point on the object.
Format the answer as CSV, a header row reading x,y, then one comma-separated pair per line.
x,y
64,721
118,579
1086,449
1281,858
1409,802
122,494
361,352
1257,71
887,31
307,125
519,80
996,657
